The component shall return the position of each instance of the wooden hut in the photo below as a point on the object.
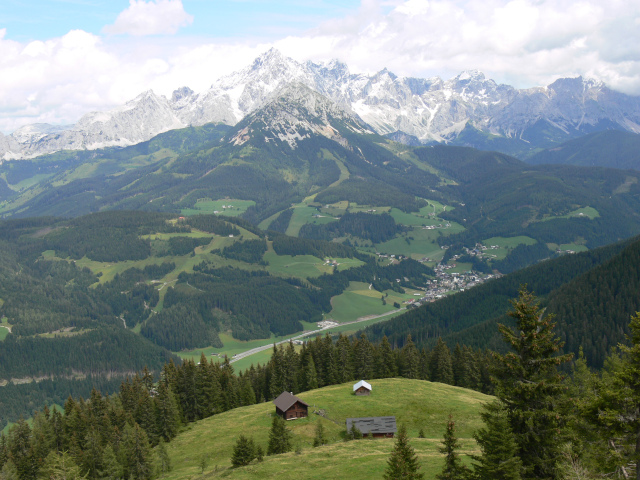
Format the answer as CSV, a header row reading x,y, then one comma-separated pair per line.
x,y
379,427
362,388
290,407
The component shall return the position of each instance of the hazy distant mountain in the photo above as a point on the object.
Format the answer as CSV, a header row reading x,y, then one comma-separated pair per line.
x,y
611,148
465,110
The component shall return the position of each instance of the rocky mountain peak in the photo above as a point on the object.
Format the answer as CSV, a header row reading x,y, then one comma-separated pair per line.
x,y
294,113
427,109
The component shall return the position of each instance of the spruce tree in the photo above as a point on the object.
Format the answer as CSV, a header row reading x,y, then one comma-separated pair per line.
x,y
111,468
616,409
320,436
164,461
441,366
453,468
166,413
403,462
499,459
530,387
244,451
279,437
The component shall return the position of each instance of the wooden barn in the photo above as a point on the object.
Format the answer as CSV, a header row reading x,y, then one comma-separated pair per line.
x,y
362,388
290,407
379,427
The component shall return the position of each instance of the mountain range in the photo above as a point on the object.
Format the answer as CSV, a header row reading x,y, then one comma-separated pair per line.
x,y
468,109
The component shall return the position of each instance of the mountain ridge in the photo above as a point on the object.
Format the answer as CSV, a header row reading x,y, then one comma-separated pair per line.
x,y
432,110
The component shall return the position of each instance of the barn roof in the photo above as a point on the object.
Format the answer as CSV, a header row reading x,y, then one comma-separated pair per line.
x,y
362,383
286,400
373,424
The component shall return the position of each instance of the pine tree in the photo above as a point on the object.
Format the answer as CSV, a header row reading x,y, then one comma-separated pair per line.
x,y
138,457
9,471
499,459
616,409
244,451
320,436
441,367
163,459
111,468
530,388
166,413
453,468
403,462
411,358
279,437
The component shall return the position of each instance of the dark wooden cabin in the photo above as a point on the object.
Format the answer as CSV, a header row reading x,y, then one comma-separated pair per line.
x,y
290,407
379,427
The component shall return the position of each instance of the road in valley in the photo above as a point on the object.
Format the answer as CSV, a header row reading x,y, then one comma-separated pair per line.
x,y
252,351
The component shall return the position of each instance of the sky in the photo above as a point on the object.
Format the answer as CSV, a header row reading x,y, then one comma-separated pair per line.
x,y
60,59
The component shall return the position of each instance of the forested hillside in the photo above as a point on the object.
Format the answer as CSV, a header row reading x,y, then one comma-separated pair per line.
x,y
578,288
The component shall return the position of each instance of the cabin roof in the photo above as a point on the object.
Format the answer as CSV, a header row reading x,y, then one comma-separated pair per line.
x,y
373,424
362,383
286,400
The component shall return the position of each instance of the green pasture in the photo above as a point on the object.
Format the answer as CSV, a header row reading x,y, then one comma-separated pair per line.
x,y
460,267
505,245
509,242
424,243
335,209
573,246
304,266
351,305
234,207
355,208
303,214
4,331
415,403
584,212
30,182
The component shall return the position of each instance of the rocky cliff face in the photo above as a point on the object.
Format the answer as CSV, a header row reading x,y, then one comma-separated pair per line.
x,y
426,109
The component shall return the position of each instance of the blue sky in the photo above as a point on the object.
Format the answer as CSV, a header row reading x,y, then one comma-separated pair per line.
x,y
60,59
212,18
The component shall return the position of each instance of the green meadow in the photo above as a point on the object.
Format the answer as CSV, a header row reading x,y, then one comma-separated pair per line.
x,y
415,403
229,207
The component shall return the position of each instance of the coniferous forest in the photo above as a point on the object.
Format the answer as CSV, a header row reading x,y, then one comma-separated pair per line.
x,y
542,424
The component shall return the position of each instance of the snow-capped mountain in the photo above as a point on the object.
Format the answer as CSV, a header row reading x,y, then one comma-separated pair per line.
x,y
431,110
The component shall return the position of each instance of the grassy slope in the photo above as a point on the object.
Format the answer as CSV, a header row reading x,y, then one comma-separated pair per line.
x,y
416,403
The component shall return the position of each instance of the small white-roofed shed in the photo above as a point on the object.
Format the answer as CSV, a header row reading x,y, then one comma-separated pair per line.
x,y
362,388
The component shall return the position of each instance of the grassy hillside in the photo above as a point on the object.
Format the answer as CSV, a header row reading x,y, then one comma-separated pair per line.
x,y
416,403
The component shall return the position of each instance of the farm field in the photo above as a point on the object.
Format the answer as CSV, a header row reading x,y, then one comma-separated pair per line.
x,y
588,212
424,244
415,403
304,266
505,245
234,208
352,305
302,213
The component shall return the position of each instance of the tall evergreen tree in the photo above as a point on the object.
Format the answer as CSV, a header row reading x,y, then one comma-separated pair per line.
x,y
530,387
403,462
279,437
244,451
411,357
166,410
453,468
499,459
441,366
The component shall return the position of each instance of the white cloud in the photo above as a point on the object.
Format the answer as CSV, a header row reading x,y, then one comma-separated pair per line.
x,y
520,42
156,17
